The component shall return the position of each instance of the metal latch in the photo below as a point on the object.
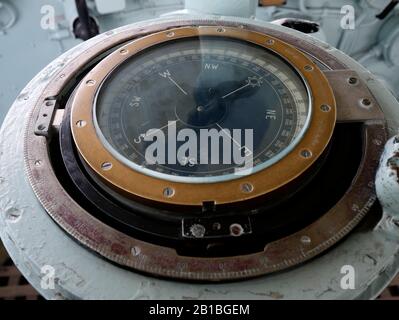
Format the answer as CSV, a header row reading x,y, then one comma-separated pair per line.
x,y
49,118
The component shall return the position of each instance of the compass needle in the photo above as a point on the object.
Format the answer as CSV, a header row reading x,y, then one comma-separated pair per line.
x,y
177,85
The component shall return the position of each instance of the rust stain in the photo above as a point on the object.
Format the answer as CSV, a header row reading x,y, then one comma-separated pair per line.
x,y
119,249
82,227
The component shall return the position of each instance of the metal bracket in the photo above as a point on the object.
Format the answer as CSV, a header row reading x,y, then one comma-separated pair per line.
x,y
354,100
49,118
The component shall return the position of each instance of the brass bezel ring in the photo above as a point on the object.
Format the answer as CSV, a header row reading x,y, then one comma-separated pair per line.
x,y
135,184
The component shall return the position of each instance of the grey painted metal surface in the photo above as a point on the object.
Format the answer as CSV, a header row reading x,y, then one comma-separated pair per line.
x,y
234,8
25,47
33,239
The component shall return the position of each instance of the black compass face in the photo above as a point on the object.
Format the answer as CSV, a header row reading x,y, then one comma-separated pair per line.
x,y
197,107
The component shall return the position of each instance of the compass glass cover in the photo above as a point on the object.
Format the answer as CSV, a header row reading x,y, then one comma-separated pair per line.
x,y
168,100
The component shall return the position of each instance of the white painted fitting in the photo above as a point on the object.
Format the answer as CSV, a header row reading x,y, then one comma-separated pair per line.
x,y
387,178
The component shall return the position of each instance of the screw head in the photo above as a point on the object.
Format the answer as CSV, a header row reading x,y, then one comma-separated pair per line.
x,y
38,163
308,68
325,108
81,123
352,80
247,187
168,192
106,166
197,230
366,102
306,153
135,251
236,230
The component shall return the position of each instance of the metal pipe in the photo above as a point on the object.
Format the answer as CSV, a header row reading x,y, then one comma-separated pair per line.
x,y
85,28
